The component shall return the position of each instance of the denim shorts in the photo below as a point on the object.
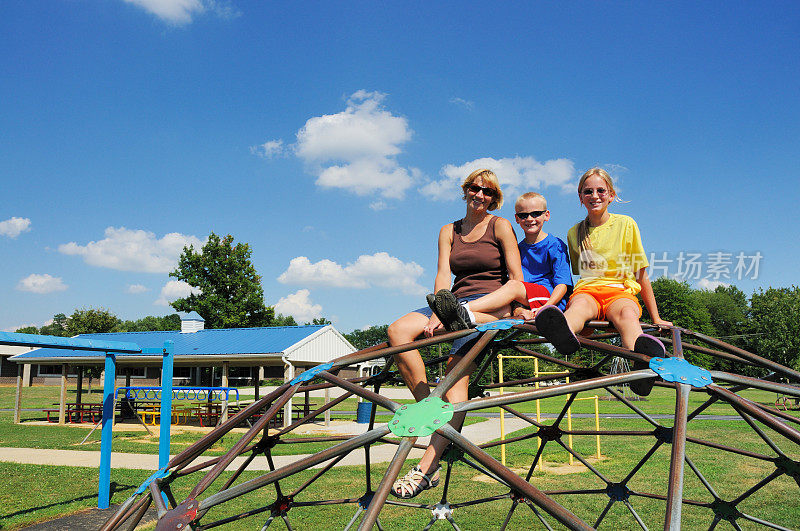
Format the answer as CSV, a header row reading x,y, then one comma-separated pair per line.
x,y
461,345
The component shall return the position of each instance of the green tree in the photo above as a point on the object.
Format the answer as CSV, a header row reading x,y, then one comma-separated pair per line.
x,y
319,321
775,326
283,320
231,293
27,330
153,323
92,321
368,337
57,328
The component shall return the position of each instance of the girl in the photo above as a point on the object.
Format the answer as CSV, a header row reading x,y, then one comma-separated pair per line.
x,y
606,251
481,250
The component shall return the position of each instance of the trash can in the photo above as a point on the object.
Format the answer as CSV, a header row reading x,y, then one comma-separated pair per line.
x,y
363,412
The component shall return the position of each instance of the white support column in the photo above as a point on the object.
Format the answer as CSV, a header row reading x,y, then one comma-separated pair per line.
x,y
26,375
62,406
18,398
288,374
225,369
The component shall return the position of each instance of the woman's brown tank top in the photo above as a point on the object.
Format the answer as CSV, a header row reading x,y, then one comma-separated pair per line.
x,y
479,266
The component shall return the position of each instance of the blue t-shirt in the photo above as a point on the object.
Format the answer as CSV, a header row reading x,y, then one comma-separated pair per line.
x,y
547,263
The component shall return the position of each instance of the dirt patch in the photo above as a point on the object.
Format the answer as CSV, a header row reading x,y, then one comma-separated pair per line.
x,y
558,469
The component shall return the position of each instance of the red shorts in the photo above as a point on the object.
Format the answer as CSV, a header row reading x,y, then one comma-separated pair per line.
x,y
537,295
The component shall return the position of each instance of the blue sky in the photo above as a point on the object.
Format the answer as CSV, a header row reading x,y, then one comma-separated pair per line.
x,y
332,137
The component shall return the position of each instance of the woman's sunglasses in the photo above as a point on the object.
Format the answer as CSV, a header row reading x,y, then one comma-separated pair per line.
x,y
488,192
526,215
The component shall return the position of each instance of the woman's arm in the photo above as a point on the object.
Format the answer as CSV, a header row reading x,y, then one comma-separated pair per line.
x,y
508,244
443,274
649,298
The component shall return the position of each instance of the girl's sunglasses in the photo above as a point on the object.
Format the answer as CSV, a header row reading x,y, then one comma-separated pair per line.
x,y
488,192
526,215
589,191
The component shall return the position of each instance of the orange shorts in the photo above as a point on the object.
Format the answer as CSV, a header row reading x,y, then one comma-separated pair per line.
x,y
604,296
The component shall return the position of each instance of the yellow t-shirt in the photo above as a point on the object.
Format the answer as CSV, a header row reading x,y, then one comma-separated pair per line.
x,y
615,257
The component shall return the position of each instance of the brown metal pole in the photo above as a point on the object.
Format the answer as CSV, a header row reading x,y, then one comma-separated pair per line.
x,y
463,366
672,519
514,481
212,475
572,387
293,468
363,392
379,498
749,356
756,412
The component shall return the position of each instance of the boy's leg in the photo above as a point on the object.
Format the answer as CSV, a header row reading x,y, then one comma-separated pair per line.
x,y
495,304
409,363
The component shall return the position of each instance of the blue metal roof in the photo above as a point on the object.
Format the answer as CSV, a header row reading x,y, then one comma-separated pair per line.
x,y
191,316
228,341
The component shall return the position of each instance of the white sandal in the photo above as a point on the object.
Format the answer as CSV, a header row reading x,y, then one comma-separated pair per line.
x,y
414,482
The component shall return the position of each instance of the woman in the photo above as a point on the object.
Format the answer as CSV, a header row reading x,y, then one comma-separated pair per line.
x,y
481,251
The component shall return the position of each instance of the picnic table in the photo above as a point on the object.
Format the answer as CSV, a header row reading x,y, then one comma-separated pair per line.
x,y
78,412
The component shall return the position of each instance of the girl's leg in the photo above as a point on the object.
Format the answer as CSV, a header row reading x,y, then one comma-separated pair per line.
x,y
581,308
624,314
409,363
496,304
458,393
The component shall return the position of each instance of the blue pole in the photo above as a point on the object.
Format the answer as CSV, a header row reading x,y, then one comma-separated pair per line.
x,y
166,404
104,483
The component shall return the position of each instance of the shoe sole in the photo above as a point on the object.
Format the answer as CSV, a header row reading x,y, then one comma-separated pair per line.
x,y
552,324
649,346
447,310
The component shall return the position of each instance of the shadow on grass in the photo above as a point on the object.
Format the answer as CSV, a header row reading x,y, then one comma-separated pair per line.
x,y
115,488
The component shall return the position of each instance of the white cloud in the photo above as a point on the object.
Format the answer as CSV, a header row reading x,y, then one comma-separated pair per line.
x,y
13,227
133,250
378,205
516,175
268,150
299,306
173,290
355,149
41,284
710,285
180,12
461,101
379,269
136,288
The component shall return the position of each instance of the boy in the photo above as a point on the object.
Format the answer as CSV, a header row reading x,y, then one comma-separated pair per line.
x,y
545,268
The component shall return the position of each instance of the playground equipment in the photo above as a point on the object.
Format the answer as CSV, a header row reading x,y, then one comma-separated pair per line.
x,y
536,374
203,509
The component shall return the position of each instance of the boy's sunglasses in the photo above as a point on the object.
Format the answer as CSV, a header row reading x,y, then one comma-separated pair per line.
x,y
488,192
526,215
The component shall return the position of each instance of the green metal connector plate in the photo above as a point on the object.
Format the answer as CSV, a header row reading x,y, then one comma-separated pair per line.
x,y
421,419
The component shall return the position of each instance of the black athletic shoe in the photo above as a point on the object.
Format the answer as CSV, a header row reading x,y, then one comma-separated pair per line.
x,y
552,325
650,346
452,314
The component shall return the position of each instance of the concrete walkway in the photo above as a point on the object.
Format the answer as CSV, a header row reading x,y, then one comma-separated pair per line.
x,y
478,433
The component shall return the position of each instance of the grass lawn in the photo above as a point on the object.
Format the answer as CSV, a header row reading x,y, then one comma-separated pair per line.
x,y
729,474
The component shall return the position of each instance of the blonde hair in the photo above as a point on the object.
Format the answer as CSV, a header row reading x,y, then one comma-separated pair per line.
x,y
583,226
530,195
488,177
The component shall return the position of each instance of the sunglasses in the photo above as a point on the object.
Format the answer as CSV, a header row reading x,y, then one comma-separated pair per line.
x,y
526,215
589,191
488,192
